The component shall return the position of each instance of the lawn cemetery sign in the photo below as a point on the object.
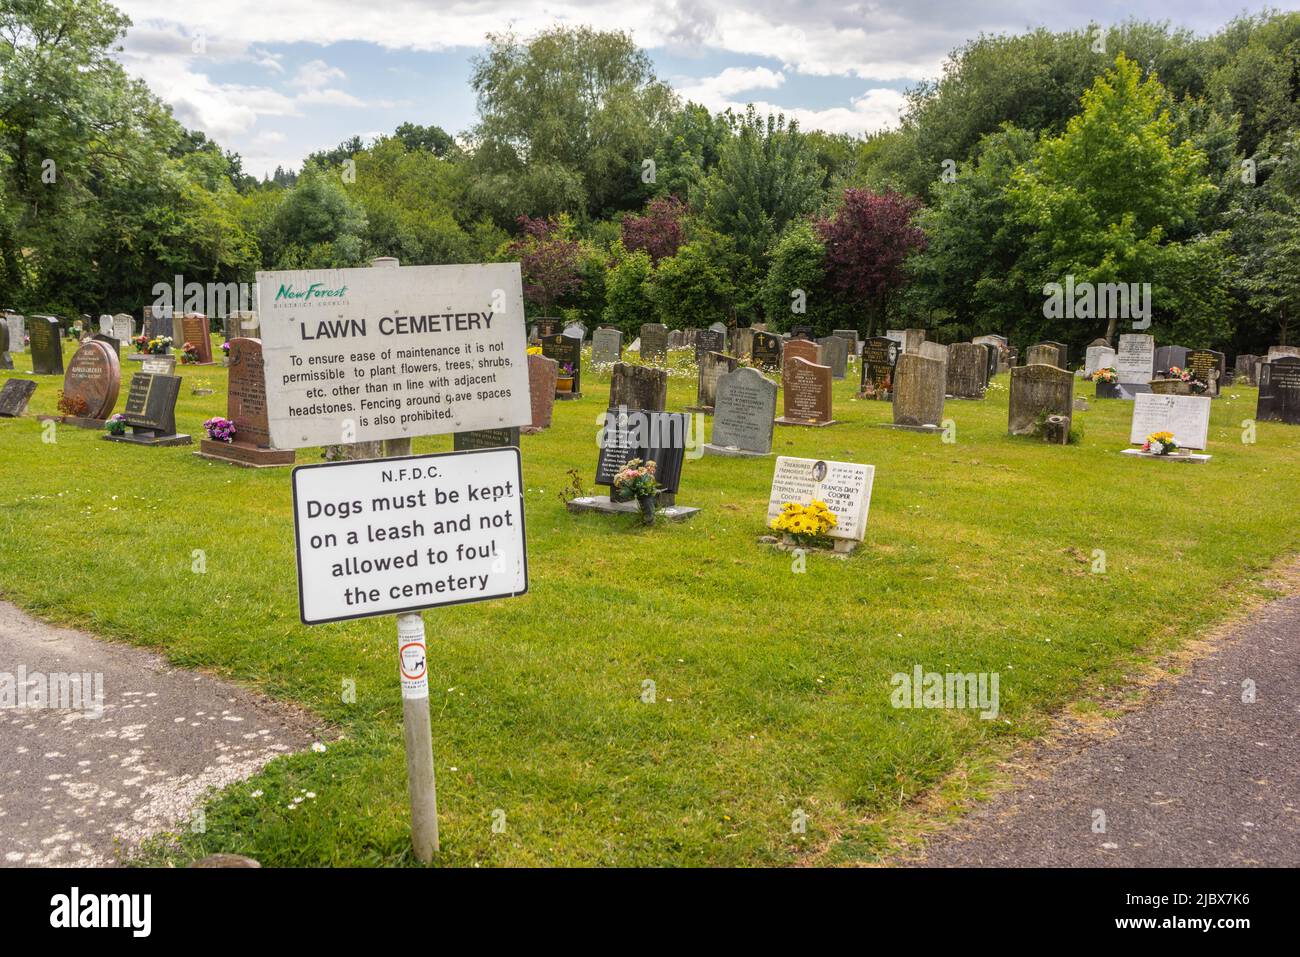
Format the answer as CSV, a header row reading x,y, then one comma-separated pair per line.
x,y
710,340
92,382
361,355
246,406
606,346
743,414
1207,365
654,342
638,387
1279,390
46,345
151,411
767,350
968,370
14,396
1186,416
845,487
567,352
541,392
712,365
806,388
1135,362
879,356
1042,402
834,352
919,391
399,535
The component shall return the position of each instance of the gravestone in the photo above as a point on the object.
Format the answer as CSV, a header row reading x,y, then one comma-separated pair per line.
x,y
6,360
793,349
158,322
91,384
993,354
1135,362
1042,353
933,350
807,394
638,387
919,390
1062,353
1207,366
709,340
485,439
1186,416
1039,392
743,414
767,350
968,370
548,327
151,411
243,324
718,327
1246,369
850,336
111,342
712,366
246,407
742,342
14,396
566,351
654,342
106,324
1098,357
576,330
879,354
1275,351
46,346
541,391
606,346
196,331
17,332
802,331
122,329
1169,356
659,437
912,339
834,352
1279,390
845,487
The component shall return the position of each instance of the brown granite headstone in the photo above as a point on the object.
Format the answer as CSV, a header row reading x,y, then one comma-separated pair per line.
x,y
93,380
541,391
793,349
198,334
246,407
638,387
807,393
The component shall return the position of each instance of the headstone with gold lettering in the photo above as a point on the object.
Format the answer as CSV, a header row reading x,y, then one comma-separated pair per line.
x,y
246,408
806,388
150,411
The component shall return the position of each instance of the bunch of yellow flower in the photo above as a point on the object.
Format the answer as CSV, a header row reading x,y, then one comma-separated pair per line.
x,y
534,350
804,523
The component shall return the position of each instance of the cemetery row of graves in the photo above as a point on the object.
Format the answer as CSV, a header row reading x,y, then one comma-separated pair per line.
x,y
669,690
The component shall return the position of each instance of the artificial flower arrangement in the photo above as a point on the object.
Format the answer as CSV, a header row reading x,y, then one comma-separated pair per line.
x,y
1107,374
225,348
806,524
564,377
141,343
220,430
636,480
534,350
189,354
1160,443
1184,375
156,346
116,425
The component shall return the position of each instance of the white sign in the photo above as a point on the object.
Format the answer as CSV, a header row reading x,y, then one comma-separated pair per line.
x,y
387,536
1135,361
1186,416
845,487
358,355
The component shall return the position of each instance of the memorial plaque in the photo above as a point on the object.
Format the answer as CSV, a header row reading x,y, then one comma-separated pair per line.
x,y
654,342
834,352
968,370
658,437
767,350
638,387
1042,353
197,333
1187,416
159,365
1039,391
1279,390
92,381
709,340
567,351
806,388
712,366
845,487
14,396
744,413
1135,359
1207,365
919,390
541,391
46,345
17,332
606,346
485,439
879,355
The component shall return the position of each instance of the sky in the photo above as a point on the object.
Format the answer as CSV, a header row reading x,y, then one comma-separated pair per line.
x,y
275,80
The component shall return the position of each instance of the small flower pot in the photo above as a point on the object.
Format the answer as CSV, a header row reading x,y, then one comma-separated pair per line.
x,y
564,385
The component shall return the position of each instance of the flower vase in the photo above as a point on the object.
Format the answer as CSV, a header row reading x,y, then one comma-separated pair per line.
x,y
647,503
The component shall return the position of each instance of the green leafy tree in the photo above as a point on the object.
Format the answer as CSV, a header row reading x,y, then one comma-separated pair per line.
x,y
796,290
627,291
695,287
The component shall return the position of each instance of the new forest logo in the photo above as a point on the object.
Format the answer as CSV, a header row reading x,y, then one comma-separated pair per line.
x,y
314,291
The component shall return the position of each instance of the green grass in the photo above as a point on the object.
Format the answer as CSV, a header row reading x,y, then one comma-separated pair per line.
x,y
772,687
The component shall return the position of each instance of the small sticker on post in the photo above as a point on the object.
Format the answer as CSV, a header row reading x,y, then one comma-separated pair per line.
x,y
412,656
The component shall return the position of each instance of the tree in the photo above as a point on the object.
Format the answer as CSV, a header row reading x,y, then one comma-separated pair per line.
x,y
627,290
659,231
549,261
868,239
796,290
695,286
433,139
318,225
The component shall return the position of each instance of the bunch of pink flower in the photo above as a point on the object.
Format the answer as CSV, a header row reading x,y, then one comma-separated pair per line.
x,y
220,430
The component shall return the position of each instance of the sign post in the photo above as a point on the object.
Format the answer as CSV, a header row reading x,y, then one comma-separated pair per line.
x,y
371,356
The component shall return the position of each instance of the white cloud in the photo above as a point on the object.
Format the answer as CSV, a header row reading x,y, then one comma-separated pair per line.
x,y
725,85
315,75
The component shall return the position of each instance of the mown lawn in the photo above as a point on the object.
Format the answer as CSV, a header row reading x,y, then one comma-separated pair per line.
x,y
772,687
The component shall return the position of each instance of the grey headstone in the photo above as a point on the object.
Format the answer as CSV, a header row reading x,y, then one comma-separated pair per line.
x,y
744,411
919,383
606,346
834,352
1037,392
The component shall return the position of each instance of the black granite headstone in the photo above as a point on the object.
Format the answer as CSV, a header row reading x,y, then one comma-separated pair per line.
x,y
658,437
46,346
14,397
485,439
1279,390
767,350
879,356
566,350
709,340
